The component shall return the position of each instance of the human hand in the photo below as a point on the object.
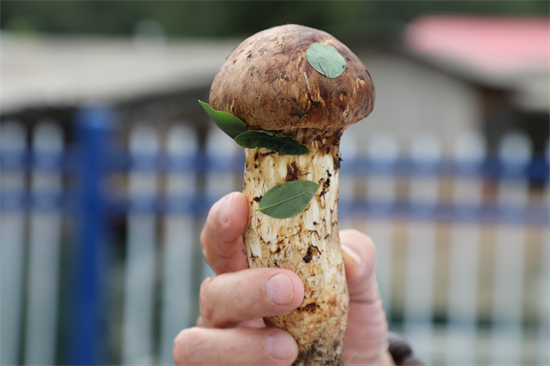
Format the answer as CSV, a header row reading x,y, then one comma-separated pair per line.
x,y
231,331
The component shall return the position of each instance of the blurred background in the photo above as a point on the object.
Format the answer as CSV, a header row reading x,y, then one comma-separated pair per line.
x,y
109,165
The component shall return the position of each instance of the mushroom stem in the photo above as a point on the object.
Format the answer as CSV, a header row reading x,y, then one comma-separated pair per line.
x,y
307,243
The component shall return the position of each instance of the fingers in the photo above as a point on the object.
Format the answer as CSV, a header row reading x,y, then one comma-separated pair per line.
x,y
233,298
365,341
236,346
359,259
366,336
221,237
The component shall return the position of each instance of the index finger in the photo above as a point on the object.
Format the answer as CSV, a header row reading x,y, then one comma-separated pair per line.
x,y
221,237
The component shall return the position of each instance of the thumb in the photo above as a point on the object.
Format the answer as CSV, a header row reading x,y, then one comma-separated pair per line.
x,y
367,328
359,260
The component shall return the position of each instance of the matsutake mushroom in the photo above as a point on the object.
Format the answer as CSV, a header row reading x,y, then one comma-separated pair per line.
x,y
303,83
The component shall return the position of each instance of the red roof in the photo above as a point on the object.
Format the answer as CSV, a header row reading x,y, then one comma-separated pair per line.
x,y
500,45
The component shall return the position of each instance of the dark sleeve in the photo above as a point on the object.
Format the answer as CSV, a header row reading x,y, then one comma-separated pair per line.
x,y
401,351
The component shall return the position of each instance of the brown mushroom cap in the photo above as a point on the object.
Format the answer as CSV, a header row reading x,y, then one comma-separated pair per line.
x,y
268,83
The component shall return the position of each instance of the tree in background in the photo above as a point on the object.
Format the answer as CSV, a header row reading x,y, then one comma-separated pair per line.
x,y
345,19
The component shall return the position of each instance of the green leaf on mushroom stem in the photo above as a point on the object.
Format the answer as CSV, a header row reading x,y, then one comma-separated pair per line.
x,y
326,60
227,122
284,145
287,199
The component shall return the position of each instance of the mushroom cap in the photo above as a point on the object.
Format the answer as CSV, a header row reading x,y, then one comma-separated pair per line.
x,y
268,83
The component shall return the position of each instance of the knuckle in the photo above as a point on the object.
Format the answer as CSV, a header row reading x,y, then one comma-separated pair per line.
x,y
241,295
183,346
206,308
200,322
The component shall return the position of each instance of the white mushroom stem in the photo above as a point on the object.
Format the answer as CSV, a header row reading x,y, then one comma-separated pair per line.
x,y
307,243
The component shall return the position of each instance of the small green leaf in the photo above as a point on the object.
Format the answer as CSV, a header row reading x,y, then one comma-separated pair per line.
x,y
228,123
287,199
284,145
326,60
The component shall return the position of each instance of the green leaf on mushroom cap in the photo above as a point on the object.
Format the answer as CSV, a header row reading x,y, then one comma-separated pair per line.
x,y
284,145
287,199
326,60
228,123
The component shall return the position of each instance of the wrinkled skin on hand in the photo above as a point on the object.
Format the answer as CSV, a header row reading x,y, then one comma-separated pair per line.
x,y
231,331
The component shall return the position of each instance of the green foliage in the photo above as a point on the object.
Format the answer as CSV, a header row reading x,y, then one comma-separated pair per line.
x,y
288,199
236,129
227,122
240,18
326,60
284,200
284,145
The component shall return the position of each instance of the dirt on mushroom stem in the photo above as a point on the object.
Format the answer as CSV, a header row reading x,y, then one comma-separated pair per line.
x,y
307,243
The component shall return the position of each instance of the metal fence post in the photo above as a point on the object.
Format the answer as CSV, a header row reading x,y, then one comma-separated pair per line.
x,y
12,238
94,125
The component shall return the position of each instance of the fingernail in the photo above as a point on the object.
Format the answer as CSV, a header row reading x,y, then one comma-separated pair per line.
x,y
280,345
226,207
279,289
351,253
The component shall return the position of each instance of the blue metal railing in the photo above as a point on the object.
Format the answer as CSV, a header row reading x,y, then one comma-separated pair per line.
x,y
535,171
95,158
